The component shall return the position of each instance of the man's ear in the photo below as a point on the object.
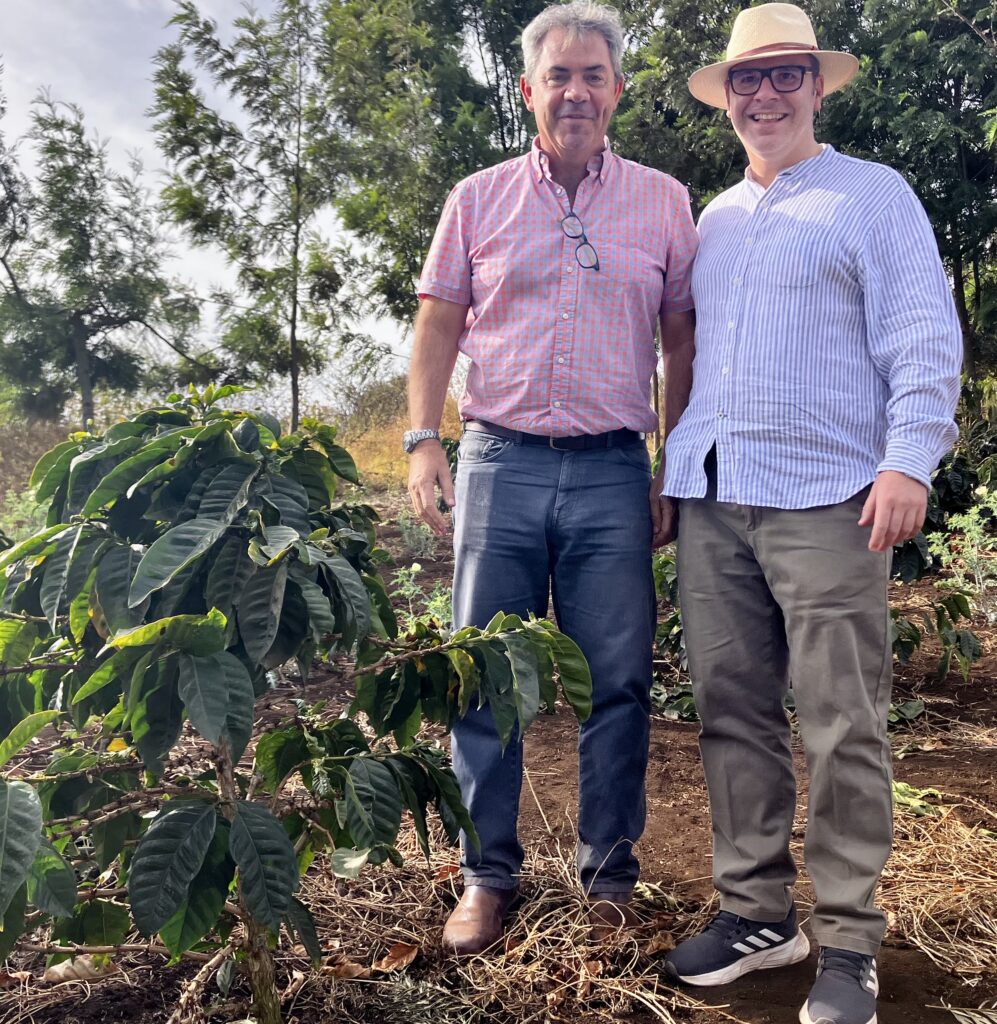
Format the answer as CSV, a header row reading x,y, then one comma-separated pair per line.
x,y
527,90
818,93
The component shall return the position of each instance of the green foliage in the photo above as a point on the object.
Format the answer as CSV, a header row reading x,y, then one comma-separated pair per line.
x,y
941,621
191,550
256,184
83,271
966,551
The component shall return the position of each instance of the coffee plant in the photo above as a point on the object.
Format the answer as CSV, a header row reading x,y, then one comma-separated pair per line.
x,y
190,553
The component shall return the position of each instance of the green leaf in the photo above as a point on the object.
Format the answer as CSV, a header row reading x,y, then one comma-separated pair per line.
x,y
51,458
110,837
118,483
496,687
468,674
167,859
169,554
301,920
448,796
291,501
373,803
268,867
57,471
572,668
56,572
321,619
258,610
20,836
209,889
52,882
194,634
279,752
228,574
228,493
95,923
118,666
79,609
342,577
156,722
17,641
33,544
23,733
115,572
525,677
342,462
219,697
312,470
12,922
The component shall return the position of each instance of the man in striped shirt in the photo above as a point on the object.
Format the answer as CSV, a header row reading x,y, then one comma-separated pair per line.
x,y
551,272
824,385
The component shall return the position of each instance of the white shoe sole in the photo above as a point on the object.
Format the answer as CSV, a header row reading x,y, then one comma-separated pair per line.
x,y
805,1018
782,956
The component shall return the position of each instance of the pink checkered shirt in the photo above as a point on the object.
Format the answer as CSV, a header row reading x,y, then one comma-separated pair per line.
x,y
555,348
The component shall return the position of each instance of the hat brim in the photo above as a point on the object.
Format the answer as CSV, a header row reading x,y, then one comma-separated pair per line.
x,y
707,84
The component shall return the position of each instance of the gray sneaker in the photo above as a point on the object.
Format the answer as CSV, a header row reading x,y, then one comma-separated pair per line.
x,y
845,990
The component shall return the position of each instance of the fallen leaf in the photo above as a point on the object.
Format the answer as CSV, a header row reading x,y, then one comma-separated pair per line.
x,y
398,958
83,968
446,872
660,942
590,969
14,979
346,969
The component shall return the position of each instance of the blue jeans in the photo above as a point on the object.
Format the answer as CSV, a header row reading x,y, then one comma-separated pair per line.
x,y
530,522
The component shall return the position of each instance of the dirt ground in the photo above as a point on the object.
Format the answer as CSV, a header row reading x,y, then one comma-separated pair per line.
x,y
955,752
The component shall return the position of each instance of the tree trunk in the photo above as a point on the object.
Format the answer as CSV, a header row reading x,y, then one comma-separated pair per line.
x,y
84,377
259,958
959,283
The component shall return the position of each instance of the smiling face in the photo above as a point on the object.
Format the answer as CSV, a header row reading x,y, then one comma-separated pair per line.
x,y
573,94
776,128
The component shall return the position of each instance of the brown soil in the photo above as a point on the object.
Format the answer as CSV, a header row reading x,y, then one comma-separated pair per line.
x,y
952,753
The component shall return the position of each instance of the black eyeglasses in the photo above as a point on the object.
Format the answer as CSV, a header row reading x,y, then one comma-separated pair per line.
x,y
784,78
587,257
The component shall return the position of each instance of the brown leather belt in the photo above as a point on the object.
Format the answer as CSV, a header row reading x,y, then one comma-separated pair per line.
x,y
579,442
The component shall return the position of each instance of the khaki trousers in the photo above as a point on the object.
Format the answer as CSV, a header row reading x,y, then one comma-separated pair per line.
x,y
770,598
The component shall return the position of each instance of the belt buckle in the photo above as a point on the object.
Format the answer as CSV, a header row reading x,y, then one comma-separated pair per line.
x,y
552,441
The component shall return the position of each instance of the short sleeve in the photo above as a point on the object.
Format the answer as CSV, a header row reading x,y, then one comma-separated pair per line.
x,y
682,245
447,270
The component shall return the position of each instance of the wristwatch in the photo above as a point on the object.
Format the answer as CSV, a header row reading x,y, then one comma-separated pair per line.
x,y
412,437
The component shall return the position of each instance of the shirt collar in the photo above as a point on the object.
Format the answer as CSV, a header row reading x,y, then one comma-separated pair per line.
x,y
599,165
798,172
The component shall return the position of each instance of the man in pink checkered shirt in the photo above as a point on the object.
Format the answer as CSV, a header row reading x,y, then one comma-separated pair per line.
x,y
551,273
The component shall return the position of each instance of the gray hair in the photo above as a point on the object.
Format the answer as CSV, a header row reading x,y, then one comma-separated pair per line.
x,y
577,19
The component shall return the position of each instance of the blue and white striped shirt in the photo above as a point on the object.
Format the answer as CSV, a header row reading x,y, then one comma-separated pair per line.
x,y
827,343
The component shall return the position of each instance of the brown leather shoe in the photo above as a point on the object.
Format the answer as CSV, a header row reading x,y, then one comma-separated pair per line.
x,y
478,920
609,913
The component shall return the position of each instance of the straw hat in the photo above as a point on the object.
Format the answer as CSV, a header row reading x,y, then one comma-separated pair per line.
x,y
771,30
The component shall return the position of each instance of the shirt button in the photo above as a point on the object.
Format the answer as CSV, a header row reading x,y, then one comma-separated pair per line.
x,y
564,316
730,324
748,241
560,191
720,413
560,359
570,268
557,405
725,370
735,280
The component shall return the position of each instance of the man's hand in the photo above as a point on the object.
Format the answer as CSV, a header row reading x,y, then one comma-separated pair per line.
x,y
664,513
895,509
429,469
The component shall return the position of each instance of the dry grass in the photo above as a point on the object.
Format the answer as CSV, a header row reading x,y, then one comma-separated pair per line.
x,y
378,451
939,888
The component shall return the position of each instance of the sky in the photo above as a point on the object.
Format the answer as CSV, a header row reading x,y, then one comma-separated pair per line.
x,y
99,54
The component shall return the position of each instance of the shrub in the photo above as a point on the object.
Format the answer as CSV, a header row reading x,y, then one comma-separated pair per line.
x,y
190,551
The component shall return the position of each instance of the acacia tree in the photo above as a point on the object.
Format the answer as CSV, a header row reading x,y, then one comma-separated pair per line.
x,y
81,270
256,184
